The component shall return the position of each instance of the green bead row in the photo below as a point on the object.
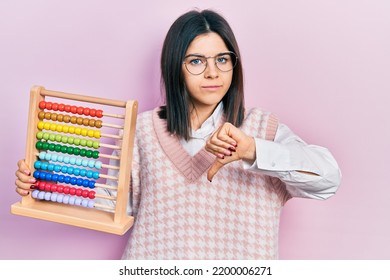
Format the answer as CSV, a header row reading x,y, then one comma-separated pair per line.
x,y
68,140
40,145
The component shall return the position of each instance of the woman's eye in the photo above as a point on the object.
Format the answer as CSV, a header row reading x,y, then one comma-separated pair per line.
x,y
222,60
196,61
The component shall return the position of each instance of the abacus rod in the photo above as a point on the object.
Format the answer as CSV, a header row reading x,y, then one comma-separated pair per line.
x,y
105,156
50,198
84,98
113,125
102,196
113,115
108,177
104,176
97,205
103,165
109,156
114,147
54,116
110,166
110,136
49,126
104,186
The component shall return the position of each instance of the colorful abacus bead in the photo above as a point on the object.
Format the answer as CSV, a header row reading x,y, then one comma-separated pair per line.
x,y
40,175
68,140
66,169
67,190
68,129
69,119
70,109
72,160
40,145
60,198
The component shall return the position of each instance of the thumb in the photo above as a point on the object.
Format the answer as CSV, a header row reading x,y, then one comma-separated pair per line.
x,y
214,169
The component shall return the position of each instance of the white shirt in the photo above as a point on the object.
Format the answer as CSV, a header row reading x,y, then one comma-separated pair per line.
x,y
282,158
199,137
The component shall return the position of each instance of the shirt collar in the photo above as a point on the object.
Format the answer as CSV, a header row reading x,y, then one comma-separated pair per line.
x,y
210,124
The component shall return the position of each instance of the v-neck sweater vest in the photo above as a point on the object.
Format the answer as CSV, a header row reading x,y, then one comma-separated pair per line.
x,y
181,215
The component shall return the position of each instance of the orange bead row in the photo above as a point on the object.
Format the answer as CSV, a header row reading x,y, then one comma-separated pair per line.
x,y
70,119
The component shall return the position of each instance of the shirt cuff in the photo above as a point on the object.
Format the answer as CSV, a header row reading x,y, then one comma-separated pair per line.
x,y
272,156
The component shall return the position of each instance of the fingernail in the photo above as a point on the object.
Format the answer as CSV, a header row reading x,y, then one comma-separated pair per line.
x,y
32,180
27,172
32,187
210,181
228,153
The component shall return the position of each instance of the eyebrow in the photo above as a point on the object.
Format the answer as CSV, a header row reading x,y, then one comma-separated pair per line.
x,y
202,55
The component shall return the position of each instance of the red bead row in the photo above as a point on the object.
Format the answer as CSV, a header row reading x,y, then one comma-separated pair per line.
x,y
71,109
45,186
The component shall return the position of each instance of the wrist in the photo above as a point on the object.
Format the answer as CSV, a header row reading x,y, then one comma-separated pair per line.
x,y
250,153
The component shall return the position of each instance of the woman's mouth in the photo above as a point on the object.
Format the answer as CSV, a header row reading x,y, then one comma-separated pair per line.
x,y
212,87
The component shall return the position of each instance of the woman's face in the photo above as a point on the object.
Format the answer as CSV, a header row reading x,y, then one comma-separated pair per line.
x,y
208,88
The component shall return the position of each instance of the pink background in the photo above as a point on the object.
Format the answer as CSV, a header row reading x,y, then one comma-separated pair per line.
x,y
322,66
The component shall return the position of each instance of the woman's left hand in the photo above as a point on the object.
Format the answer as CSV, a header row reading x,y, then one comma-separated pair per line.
x,y
228,144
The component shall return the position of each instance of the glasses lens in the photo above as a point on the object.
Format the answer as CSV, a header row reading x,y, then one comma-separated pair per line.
x,y
195,64
226,61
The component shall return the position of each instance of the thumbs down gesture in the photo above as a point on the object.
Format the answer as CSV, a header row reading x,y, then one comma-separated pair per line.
x,y
228,143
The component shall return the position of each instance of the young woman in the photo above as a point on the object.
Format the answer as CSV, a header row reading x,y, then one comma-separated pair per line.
x,y
209,176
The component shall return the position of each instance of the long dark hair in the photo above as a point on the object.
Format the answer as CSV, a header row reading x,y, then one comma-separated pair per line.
x,y
179,37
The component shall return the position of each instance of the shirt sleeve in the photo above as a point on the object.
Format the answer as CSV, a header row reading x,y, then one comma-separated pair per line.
x,y
308,171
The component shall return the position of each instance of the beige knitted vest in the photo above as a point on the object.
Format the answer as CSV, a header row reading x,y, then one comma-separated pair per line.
x,y
181,215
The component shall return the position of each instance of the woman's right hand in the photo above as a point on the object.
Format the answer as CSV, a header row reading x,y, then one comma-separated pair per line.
x,y
24,180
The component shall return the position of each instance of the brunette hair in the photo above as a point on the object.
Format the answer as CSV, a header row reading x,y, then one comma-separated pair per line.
x,y
179,37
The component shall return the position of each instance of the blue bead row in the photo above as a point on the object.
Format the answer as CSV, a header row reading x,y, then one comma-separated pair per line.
x,y
64,179
66,169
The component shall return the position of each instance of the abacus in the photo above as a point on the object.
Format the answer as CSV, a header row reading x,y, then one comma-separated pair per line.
x,y
68,168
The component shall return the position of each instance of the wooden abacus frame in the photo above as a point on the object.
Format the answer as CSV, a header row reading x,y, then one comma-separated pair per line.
x,y
117,222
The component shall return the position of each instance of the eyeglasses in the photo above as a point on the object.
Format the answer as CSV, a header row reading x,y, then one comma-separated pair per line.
x,y
197,64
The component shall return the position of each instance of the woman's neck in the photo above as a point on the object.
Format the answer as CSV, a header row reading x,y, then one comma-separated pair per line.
x,y
199,115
